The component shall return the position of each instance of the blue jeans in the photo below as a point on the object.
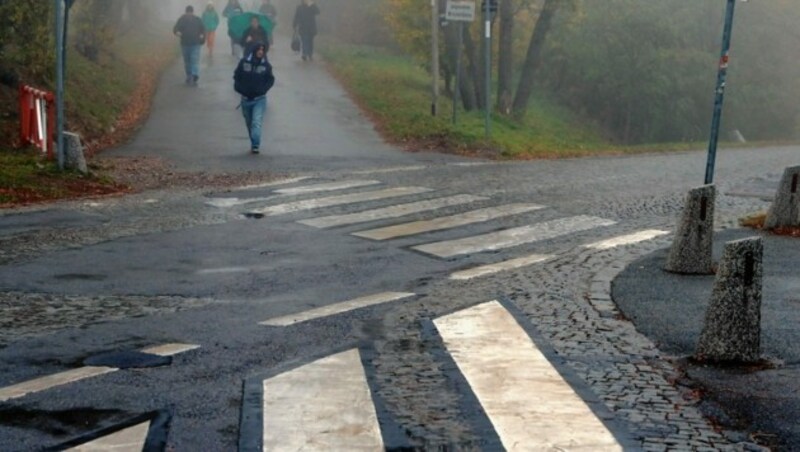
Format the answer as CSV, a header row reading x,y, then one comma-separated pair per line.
x,y
253,112
191,60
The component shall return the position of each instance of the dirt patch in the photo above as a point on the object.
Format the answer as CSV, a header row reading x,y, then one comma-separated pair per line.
x,y
154,173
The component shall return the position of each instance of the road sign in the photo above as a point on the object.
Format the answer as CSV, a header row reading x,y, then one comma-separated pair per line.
x,y
460,11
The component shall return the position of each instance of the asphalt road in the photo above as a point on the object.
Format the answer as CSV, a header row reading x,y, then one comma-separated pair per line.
x,y
207,268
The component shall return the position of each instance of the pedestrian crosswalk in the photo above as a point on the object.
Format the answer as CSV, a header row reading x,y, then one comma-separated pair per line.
x,y
329,403
360,203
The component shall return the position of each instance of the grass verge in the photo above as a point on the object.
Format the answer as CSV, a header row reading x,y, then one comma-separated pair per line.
x,y
106,101
395,93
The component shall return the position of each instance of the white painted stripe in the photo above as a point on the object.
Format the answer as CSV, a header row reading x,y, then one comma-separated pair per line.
x,y
330,186
81,373
232,270
131,439
395,169
513,237
276,183
338,308
630,239
324,405
224,203
528,402
391,212
340,200
438,224
170,349
491,269
51,381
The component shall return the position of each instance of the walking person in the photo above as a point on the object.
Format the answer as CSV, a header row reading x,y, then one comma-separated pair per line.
x,y
305,24
269,10
252,80
192,33
233,9
211,22
255,33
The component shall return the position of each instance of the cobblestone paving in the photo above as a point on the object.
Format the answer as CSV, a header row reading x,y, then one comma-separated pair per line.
x,y
569,301
27,315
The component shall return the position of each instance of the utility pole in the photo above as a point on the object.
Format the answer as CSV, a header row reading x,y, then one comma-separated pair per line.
x,y
435,55
722,78
487,42
60,40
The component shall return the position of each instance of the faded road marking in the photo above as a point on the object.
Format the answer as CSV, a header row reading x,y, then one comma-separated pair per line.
x,y
491,269
337,308
630,239
331,201
390,212
513,237
449,222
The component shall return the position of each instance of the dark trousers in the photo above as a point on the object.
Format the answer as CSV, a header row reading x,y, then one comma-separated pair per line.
x,y
308,44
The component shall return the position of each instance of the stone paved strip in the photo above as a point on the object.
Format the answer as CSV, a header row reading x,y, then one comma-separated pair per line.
x,y
630,239
513,237
337,308
524,396
324,405
438,224
131,439
491,269
390,212
331,186
331,201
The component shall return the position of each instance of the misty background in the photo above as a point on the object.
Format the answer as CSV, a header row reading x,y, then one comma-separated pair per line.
x,y
642,71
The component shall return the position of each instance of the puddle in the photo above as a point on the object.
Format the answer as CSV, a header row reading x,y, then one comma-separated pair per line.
x,y
253,216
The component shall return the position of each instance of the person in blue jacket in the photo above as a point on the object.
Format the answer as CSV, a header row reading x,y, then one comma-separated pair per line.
x,y
253,78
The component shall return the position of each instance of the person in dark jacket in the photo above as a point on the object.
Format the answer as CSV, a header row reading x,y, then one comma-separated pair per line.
x,y
255,33
305,24
233,9
252,80
192,33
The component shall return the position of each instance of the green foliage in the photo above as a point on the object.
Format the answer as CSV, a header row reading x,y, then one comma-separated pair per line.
x,y
402,112
647,70
26,37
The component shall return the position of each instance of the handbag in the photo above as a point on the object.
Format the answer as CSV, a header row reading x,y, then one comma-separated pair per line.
x,y
296,42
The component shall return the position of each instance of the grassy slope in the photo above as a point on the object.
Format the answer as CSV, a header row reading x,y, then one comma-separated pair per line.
x,y
395,93
105,102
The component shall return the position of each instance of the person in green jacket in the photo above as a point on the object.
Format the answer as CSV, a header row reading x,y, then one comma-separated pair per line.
x,y
211,22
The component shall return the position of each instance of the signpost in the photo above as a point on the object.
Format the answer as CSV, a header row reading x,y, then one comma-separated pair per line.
x,y
459,11
435,55
722,78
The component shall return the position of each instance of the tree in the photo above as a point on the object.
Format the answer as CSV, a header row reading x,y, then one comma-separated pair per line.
x,y
533,58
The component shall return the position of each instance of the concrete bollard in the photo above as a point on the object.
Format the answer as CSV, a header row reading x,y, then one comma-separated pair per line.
x,y
73,153
691,250
785,210
732,330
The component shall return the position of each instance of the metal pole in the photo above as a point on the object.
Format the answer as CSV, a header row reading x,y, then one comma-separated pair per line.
x,y
60,82
435,55
457,93
487,42
720,92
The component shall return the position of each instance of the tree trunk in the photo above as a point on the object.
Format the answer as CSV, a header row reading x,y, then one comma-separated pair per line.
x,y
465,86
475,70
506,57
533,58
